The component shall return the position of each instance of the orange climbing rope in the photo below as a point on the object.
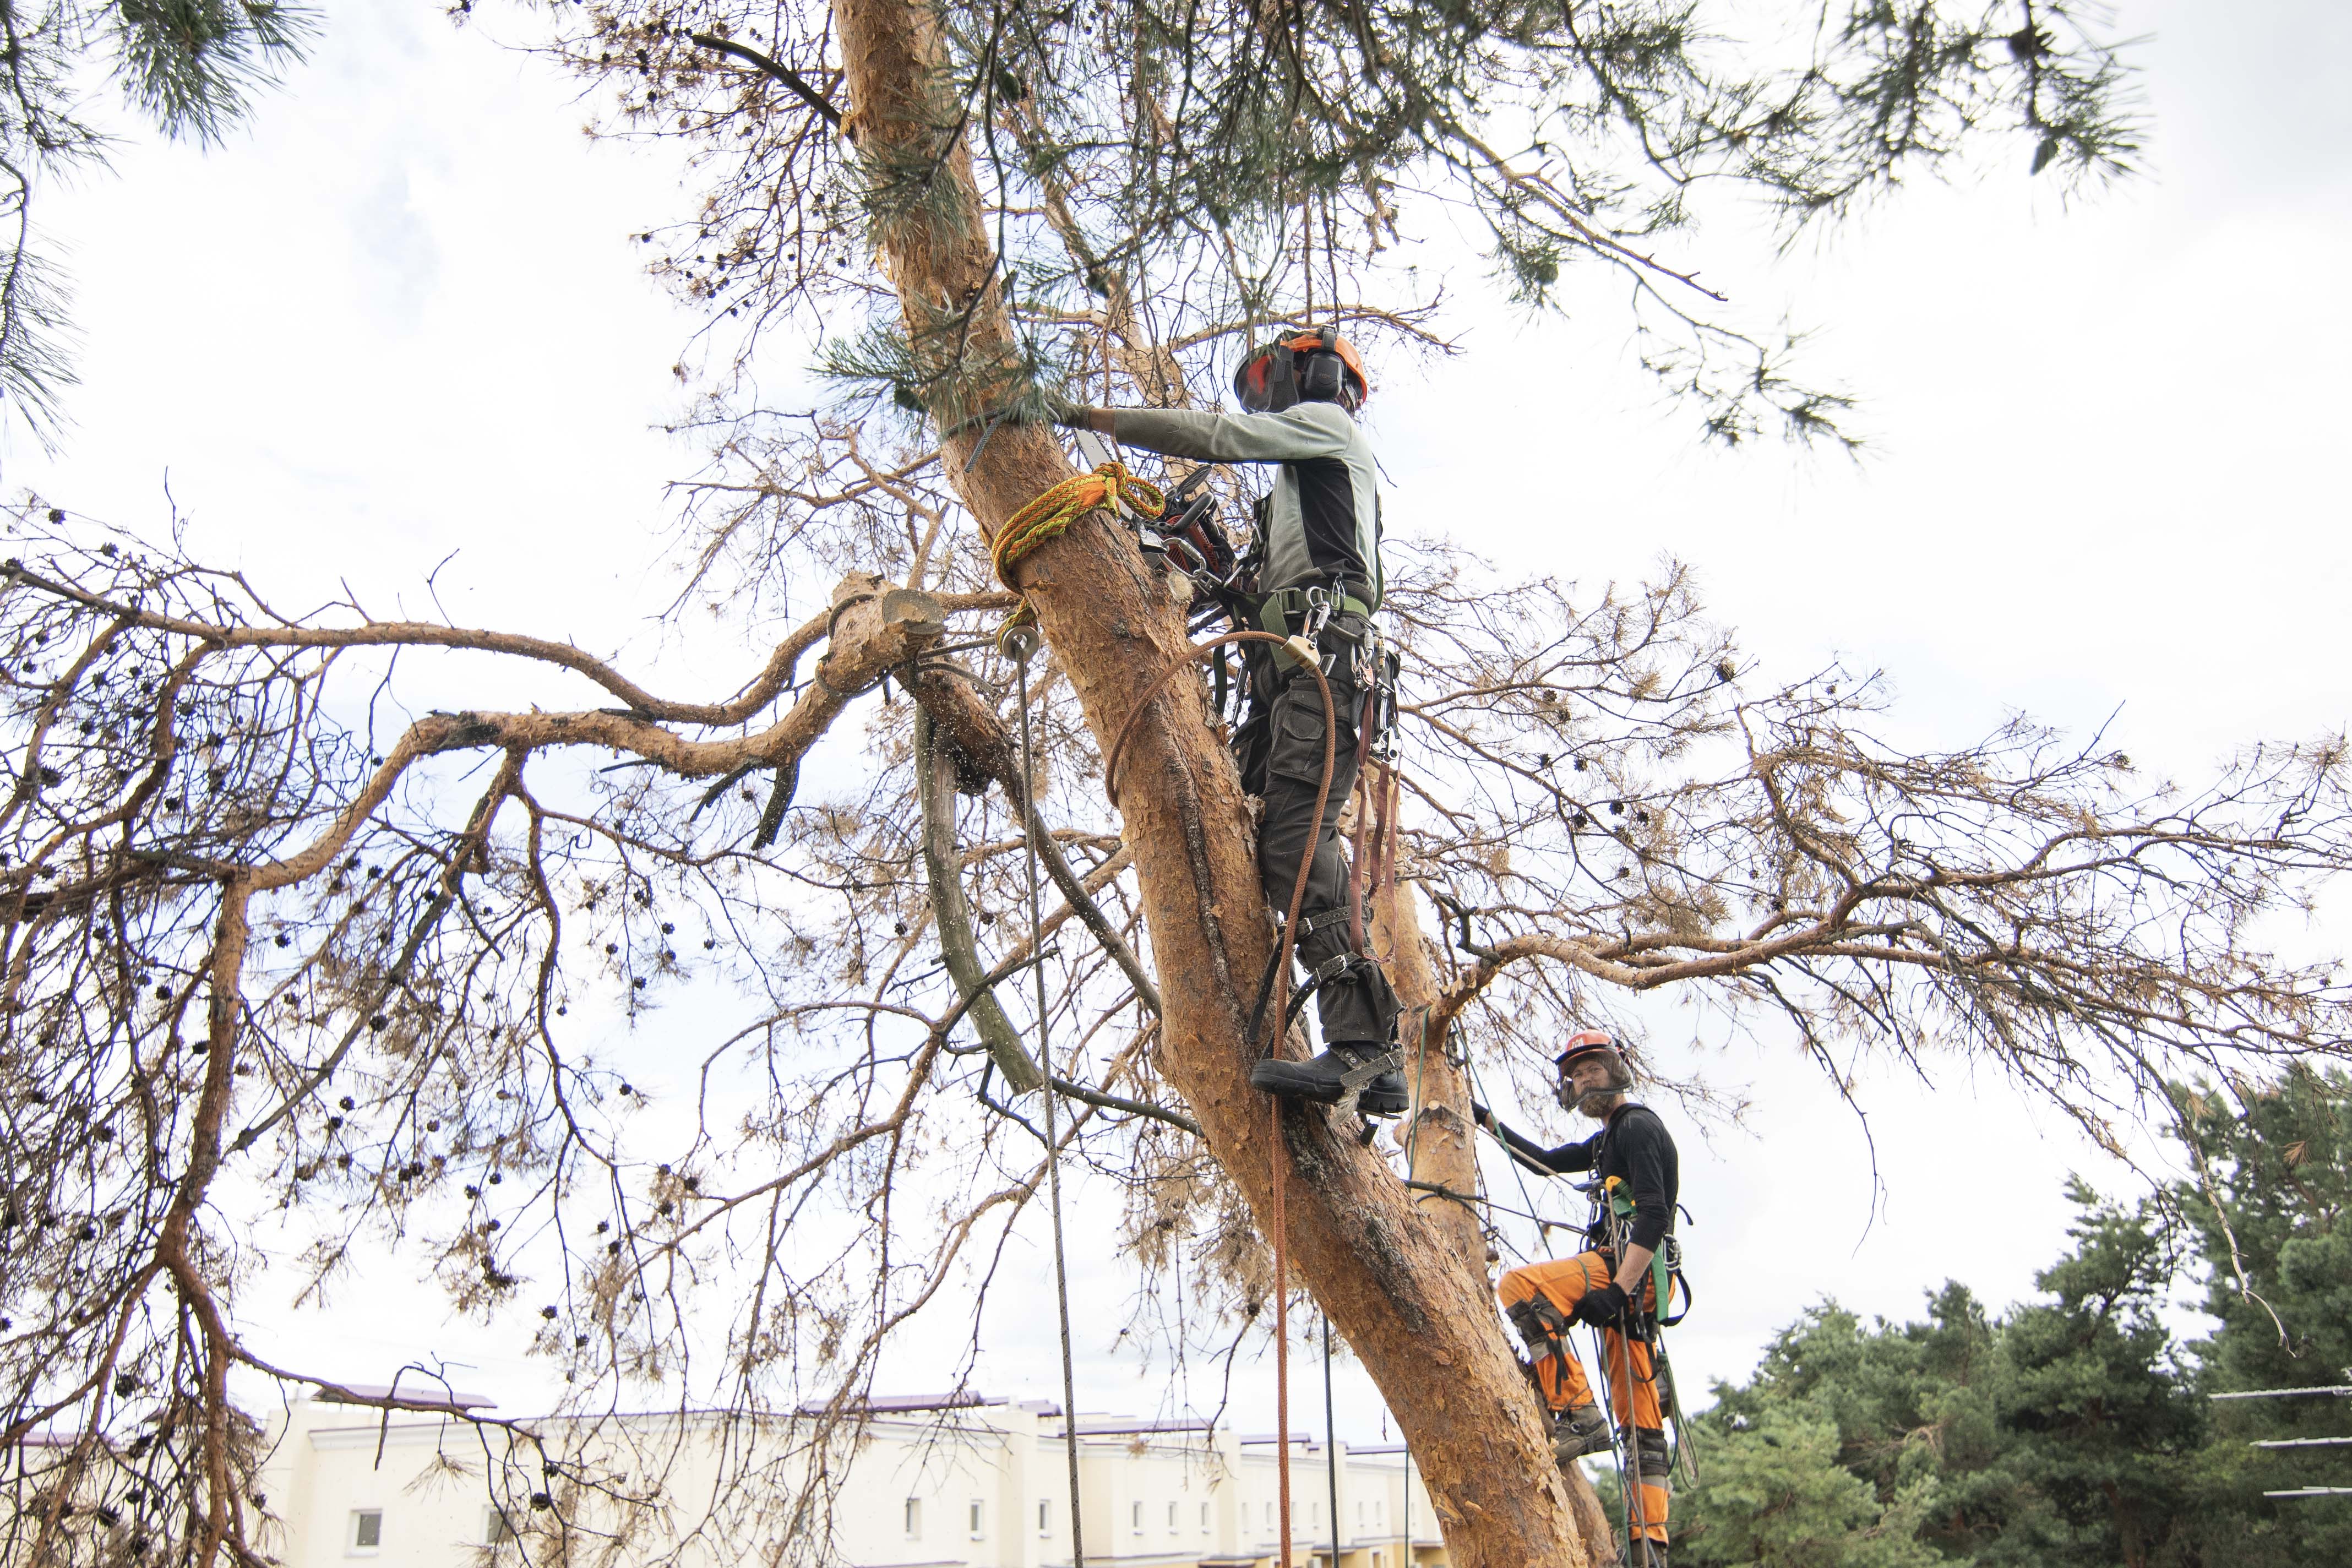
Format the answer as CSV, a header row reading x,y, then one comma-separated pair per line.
x,y
1277,1154
1109,487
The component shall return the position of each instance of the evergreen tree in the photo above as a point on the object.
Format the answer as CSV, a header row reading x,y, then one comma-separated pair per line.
x,y
2101,1422
1779,1497
2269,1212
2075,1432
1814,1460
1162,179
2064,1434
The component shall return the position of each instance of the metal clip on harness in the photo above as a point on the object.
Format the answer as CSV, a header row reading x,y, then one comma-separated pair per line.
x,y
1379,665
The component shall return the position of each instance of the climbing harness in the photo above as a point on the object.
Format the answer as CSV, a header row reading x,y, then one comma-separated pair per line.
x,y
1051,513
1021,643
1665,1265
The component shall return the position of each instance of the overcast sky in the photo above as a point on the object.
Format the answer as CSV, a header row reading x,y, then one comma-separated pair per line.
x,y
399,318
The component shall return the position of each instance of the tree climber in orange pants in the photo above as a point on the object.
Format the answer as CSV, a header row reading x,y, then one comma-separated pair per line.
x,y
1544,1301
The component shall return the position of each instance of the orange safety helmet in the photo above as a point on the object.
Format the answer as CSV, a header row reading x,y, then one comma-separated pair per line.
x,y
1596,1041
1319,366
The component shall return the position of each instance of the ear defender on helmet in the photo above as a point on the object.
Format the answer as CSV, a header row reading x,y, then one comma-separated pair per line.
x,y
1320,366
1326,376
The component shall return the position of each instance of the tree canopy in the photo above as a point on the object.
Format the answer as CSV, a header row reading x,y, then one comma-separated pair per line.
x,y
189,69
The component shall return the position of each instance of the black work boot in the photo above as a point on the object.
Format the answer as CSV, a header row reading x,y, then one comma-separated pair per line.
x,y
1578,1432
1320,1079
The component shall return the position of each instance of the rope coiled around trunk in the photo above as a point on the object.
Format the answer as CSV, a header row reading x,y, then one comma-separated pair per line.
x,y
1107,487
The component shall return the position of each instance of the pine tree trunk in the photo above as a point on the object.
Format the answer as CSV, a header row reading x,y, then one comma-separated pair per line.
x,y
1393,1276
1440,1137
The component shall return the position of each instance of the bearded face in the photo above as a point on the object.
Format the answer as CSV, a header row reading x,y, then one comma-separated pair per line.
x,y
1594,1083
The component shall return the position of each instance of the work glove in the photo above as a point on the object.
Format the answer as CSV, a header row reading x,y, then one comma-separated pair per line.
x,y
1604,1308
1060,408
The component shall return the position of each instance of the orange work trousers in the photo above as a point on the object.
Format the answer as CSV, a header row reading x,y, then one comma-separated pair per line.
x,y
1632,1386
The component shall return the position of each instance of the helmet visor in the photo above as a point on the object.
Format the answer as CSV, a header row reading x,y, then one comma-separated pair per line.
x,y
1268,380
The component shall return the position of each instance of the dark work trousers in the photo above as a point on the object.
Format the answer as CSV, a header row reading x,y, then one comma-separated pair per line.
x,y
1280,748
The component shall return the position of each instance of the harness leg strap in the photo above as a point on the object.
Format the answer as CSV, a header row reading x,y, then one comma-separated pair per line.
x,y
1545,1328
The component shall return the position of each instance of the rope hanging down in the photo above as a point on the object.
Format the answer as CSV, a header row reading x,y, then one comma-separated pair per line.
x,y
1277,1148
1050,514
1024,646
1107,487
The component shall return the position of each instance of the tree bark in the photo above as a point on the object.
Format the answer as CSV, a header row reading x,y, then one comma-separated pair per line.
x,y
1437,1130
1440,1137
1392,1276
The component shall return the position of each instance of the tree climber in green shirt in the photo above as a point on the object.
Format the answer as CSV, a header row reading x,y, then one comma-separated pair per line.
x,y
1321,575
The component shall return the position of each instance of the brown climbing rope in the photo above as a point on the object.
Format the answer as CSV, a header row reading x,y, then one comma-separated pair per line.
x,y
1356,860
1280,1005
1281,1331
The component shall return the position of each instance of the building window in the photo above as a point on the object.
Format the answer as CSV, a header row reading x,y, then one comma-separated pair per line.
x,y
1360,1513
914,1519
1204,1518
1171,1519
979,1520
1269,1516
1134,1517
366,1534
1380,1516
1045,1517
1379,1560
495,1530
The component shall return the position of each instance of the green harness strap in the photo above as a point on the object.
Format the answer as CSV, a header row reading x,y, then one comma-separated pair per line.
x,y
1621,1210
1275,610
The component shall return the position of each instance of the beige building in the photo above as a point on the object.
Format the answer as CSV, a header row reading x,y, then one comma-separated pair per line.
x,y
970,1483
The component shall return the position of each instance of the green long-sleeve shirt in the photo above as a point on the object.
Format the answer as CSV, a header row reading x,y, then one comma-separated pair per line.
x,y
1323,517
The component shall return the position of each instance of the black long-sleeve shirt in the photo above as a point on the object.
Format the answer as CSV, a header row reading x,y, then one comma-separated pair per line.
x,y
1632,1145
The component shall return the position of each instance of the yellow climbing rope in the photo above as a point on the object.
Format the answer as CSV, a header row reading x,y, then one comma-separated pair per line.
x,y
1109,486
